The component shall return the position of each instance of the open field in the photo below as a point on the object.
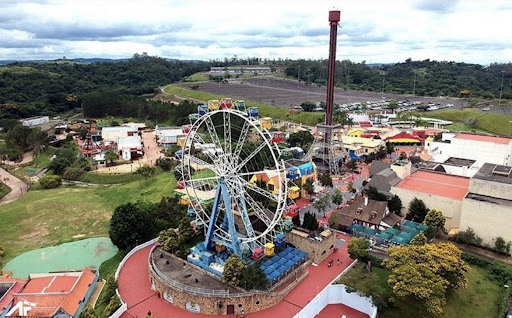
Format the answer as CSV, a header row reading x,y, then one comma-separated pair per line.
x,y
264,110
48,217
287,93
490,122
479,300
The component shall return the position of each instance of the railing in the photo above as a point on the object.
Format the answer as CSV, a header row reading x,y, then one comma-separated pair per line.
x,y
222,293
133,251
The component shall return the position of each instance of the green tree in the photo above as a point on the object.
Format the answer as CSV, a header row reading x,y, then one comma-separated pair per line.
x,y
296,220
390,148
417,210
325,180
50,182
254,278
310,222
502,247
337,197
419,239
342,117
131,224
395,205
186,229
435,219
112,306
358,248
334,219
422,274
109,289
309,187
146,172
166,164
322,203
374,194
308,106
111,156
351,164
350,187
233,271
402,156
88,312
468,236
302,139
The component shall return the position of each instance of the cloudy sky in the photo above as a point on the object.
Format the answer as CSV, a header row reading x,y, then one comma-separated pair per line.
x,y
376,31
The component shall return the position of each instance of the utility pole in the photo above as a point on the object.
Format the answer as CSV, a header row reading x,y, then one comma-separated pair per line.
x,y
501,90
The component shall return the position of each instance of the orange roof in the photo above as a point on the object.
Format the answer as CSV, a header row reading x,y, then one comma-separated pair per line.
x,y
8,297
78,294
435,183
53,292
498,140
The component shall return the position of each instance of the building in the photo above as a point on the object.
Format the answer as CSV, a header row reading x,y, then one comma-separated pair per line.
x,y
480,148
438,190
168,136
35,121
129,147
360,146
369,213
487,208
233,70
55,295
9,287
270,178
404,138
113,133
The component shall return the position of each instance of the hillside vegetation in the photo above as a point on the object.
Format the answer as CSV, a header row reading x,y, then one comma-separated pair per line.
x,y
493,123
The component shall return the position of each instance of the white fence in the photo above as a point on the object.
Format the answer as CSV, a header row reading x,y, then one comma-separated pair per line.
x,y
337,294
124,306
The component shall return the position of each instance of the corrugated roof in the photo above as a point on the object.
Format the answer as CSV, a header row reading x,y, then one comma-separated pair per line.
x,y
435,183
366,210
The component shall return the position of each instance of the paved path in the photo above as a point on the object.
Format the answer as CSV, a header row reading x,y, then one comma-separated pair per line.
x,y
135,288
18,187
27,157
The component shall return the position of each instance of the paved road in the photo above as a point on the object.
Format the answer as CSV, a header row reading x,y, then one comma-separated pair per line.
x,y
18,187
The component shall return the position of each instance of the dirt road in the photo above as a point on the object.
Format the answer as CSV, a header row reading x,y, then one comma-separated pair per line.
x,y
18,187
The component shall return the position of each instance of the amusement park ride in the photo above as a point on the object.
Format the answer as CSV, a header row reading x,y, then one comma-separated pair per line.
x,y
226,145
226,149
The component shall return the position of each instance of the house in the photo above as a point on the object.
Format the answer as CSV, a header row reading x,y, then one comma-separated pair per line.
x,y
219,70
438,190
113,133
271,180
168,136
369,213
129,147
487,208
8,287
361,146
99,160
383,181
55,295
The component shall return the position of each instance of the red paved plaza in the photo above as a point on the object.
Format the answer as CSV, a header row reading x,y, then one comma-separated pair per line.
x,y
135,289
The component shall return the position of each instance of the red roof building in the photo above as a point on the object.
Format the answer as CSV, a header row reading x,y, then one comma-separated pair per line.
x,y
484,138
403,138
49,295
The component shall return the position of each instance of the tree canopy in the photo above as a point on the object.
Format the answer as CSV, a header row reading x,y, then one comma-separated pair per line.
x,y
417,210
233,270
131,224
422,274
436,219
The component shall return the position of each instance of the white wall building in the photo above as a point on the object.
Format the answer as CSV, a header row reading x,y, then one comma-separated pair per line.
x,y
35,121
481,148
488,206
129,147
113,133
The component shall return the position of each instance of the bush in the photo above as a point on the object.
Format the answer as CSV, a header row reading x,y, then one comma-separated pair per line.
x,y
165,163
505,295
50,182
72,173
112,306
502,247
502,272
474,260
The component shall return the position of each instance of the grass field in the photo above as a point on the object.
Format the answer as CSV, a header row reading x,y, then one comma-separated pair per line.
x,y
264,110
198,77
479,300
4,190
48,217
103,178
485,121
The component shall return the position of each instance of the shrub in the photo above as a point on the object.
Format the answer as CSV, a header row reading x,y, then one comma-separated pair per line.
x,y
72,173
112,306
165,163
50,182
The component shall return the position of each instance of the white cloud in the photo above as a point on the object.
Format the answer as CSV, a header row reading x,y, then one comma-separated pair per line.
x,y
377,31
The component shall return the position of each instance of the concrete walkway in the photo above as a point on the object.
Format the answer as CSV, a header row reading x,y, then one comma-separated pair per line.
x,y
18,187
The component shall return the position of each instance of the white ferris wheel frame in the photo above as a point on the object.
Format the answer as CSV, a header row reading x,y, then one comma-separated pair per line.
x,y
228,166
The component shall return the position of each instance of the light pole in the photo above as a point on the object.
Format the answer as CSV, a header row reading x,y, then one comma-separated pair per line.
x,y
501,90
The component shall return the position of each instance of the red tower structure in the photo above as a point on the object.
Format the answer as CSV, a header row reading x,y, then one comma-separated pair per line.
x,y
334,18
327,148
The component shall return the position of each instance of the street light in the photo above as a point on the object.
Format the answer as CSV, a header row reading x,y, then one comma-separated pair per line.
x,y
501,90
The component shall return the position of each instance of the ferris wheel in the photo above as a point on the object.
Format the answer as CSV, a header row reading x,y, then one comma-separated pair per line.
x,y
234,178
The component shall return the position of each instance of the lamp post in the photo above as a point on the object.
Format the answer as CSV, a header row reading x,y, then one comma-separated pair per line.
x,y
501,89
